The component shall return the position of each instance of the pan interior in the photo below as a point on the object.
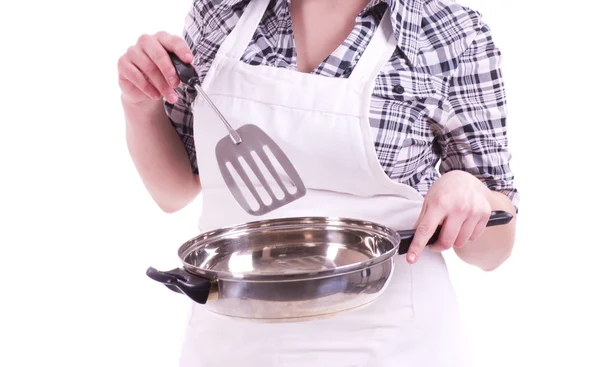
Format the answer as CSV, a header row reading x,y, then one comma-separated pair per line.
x,y
268,252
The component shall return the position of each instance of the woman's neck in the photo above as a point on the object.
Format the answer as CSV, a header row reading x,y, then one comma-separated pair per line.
x,y
320,26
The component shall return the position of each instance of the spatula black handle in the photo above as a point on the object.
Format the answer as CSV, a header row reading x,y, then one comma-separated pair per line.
x,y
186,72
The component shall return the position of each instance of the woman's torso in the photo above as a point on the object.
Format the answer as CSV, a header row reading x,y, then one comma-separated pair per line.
x,y
405,95
322,124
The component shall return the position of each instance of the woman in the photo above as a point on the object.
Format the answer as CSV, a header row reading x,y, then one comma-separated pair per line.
x,y
365,97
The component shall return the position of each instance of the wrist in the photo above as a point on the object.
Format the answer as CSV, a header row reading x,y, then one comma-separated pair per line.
x,y
144,104
496,199
144,111
499,201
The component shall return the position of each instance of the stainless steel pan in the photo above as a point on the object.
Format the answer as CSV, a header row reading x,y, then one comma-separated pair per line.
x,y
290,269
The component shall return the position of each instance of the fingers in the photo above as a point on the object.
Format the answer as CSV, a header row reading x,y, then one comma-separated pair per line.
x,y
133,82
146,70
461,226
481,225
162,67
459,203
154,62
465,233
451,228
176,45
473,227
424,230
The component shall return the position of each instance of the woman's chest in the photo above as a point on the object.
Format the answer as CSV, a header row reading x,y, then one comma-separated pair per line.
x,y
403,100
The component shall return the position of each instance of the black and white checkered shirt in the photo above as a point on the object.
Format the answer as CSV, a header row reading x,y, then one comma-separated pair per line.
x,y
439,99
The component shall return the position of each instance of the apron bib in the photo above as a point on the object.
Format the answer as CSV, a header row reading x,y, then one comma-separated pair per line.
x,y
322,124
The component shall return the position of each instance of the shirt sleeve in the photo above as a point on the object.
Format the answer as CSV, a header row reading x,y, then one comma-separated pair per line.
x,y
180,113
474,137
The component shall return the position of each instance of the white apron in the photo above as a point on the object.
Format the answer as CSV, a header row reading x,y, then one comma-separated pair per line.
x,y
322,125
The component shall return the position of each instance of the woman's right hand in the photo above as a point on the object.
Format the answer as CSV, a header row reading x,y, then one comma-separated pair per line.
x,y
146,72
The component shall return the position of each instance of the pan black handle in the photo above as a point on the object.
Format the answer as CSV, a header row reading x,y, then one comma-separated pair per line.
x,y
497,218
180,281
186,72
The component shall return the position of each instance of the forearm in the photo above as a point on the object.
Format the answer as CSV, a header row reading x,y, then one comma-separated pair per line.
x,y
159,156
495,244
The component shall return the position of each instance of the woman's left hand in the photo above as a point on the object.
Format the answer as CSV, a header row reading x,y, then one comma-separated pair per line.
x,y
459,202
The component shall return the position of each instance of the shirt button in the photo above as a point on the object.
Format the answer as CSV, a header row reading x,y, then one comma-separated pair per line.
x,y
398,89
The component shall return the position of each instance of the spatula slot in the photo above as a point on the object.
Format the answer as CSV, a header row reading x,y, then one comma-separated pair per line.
x,y
250,167
248,151
270,157
276,189
244,192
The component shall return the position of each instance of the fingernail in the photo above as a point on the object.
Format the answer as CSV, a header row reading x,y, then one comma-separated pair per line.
x,y
189,56
173,81
412,257
172,97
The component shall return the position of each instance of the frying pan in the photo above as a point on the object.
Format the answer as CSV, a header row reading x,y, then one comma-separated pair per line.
x,y
291,269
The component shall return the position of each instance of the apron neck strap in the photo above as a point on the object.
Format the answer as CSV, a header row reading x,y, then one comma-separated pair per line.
x,y
378,52
238,40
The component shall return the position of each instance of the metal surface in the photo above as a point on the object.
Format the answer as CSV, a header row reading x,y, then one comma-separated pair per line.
x,y
251,145
242,160
293,269
288,249
301,300
235,137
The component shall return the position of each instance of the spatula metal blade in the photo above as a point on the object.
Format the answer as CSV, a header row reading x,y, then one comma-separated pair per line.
x,y
256,140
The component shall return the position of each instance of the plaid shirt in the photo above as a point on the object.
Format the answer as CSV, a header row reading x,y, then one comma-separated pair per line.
x,y
439,99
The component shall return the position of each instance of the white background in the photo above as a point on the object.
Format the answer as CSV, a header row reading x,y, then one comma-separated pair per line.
x,y
78,229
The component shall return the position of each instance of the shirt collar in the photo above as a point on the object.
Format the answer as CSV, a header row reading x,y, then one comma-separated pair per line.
x,y
406,16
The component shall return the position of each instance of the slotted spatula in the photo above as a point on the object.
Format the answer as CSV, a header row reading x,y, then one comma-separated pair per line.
x,y
240,145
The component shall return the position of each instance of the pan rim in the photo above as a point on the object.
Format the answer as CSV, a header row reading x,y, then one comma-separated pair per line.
x,y
208,237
